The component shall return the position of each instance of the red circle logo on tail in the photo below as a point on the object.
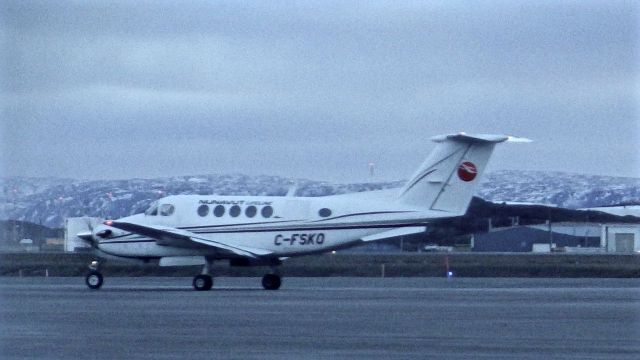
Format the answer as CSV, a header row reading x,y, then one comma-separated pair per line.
x,y
467,171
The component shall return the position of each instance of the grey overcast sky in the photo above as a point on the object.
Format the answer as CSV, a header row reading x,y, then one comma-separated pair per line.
x,y
314,89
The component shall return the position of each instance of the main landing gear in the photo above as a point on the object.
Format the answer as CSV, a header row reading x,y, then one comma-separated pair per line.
x,y
204,280
271,282
94,278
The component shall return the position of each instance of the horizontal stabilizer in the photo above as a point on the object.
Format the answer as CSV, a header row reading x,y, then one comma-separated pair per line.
x,y
489,138
395,232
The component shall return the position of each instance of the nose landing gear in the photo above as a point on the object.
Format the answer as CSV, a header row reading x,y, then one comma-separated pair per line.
x,y
94,278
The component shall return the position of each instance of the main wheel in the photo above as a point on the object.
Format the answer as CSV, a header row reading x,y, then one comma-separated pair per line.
x,y
202,282
94,279
271,282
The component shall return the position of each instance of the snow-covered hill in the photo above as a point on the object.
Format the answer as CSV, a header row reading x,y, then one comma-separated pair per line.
x,y
561,189
48,201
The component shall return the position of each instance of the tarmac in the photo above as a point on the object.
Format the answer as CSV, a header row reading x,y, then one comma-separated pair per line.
x,y
321,318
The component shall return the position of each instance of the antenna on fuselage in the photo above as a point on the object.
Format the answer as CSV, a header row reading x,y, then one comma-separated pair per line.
x,y
293,188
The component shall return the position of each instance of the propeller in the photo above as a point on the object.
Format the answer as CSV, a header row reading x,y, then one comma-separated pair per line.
x,y
89,237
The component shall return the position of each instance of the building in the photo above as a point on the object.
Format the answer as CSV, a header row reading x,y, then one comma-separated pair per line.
x,y
29,245
621,238
568,236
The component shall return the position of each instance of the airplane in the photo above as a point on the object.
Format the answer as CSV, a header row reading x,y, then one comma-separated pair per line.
x,y
183,230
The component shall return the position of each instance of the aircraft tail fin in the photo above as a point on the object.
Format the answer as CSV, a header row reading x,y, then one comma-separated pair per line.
x,y
448,178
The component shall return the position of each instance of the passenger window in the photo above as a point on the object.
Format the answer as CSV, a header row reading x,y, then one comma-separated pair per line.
x,y
251,211
267,211
234,211
324,212
218,211
166,209
203,210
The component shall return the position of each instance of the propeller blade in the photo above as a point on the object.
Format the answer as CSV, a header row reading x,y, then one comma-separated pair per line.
x,y
89,224
88,236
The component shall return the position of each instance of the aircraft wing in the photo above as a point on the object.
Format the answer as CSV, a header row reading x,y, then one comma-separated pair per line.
x,y
173,236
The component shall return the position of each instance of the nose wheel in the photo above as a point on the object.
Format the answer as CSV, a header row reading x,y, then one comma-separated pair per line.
x,y
94,279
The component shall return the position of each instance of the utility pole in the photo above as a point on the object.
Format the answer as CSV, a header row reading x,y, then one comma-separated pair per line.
x,y
550,232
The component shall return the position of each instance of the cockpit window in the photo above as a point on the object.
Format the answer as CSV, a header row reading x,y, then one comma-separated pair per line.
x,y
167,209
152,210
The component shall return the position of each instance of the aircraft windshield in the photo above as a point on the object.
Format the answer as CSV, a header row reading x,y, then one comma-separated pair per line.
x,y
152,210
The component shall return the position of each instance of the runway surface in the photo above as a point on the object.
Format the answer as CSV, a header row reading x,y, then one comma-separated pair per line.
x,y
321,318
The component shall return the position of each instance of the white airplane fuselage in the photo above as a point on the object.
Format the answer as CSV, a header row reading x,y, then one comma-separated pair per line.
x,y
286,226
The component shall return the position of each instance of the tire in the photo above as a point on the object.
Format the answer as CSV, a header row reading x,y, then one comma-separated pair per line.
x,y
202,282
271,282
94,280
